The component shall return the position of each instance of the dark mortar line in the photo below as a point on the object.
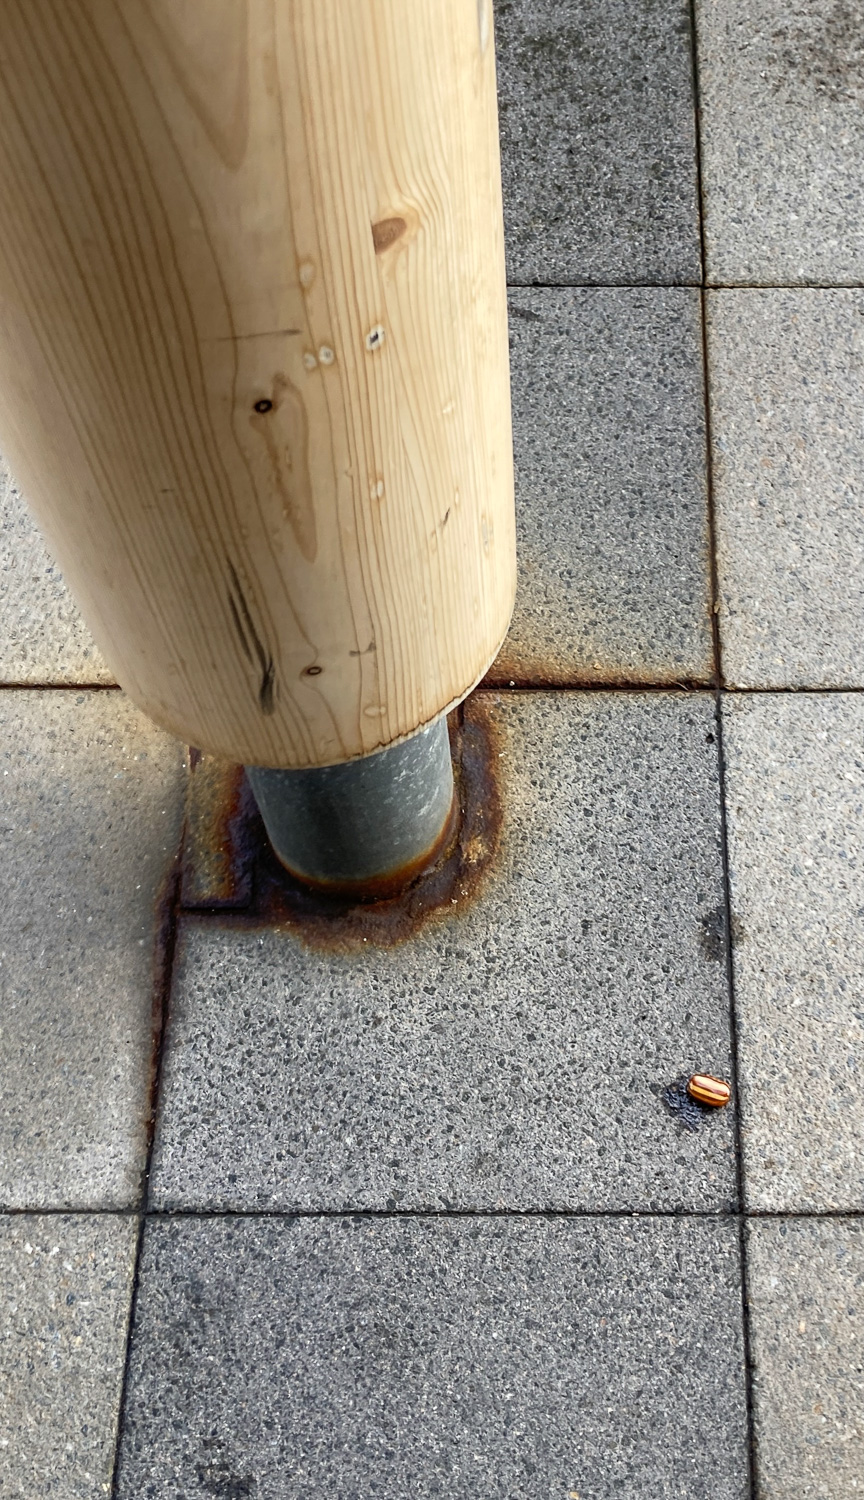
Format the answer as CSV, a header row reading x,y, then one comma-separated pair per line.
x,y
60,687
130,1323
704,285
780,1215
602,285
713,1216
731,691
168,916
749,1363
70,1213
746,1335
697,143
784,286
783,1214
525,685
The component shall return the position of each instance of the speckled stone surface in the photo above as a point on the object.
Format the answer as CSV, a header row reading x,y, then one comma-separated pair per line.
x,y
806,1296
597,140
511,1057
449,1356
787,402
795,779
66,1289
609,433
92,810
42,635
782,133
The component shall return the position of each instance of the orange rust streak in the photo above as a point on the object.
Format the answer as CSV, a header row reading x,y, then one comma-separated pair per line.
x,y
342,924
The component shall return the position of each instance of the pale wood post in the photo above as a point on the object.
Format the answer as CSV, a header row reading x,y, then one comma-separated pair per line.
x,y
253,354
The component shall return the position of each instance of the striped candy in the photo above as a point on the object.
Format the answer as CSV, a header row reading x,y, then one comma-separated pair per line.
x,y
709,1090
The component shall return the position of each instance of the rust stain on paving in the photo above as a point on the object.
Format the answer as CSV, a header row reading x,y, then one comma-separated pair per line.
x,y
231,871
218,857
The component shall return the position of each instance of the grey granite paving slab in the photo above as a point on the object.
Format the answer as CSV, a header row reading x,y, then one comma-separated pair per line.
x,y
42,636
795,779
806,1296
787,401
782,132
448,1356
92,810
598,141
611,504
511,1056
65,1288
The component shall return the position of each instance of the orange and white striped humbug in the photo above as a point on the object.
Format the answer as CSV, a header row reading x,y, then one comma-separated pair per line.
x,y
709,1090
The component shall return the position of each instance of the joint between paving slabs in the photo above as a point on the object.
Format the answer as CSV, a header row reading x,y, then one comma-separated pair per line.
x,y
168,911
747,1343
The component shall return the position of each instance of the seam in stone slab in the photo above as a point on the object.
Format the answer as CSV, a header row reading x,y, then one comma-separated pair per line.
x,y
724,1216
610,286
803,1213
536,685
539,684
713,1215
784,286
166,942
705,284
731,689
752,1456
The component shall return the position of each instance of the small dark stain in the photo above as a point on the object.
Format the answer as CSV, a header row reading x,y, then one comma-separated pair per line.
x,y
823,50
370,651
224,1485
446,517
712,933
312,671
386,232
524,312
340,925
688,1112
263,405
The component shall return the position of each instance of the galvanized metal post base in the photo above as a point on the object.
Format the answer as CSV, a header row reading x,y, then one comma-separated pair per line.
x,y
365,828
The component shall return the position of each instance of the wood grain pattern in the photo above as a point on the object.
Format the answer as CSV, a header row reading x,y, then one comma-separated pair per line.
x,y
253,354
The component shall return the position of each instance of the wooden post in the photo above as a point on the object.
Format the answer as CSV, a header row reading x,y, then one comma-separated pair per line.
x,y
253,354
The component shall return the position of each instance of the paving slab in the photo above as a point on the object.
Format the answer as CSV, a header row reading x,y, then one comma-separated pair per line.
x,y
611,480
92,811
447,1356
42,636
598,141
66,1291
787,404
782,140
796,819
510,1056
806,1296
